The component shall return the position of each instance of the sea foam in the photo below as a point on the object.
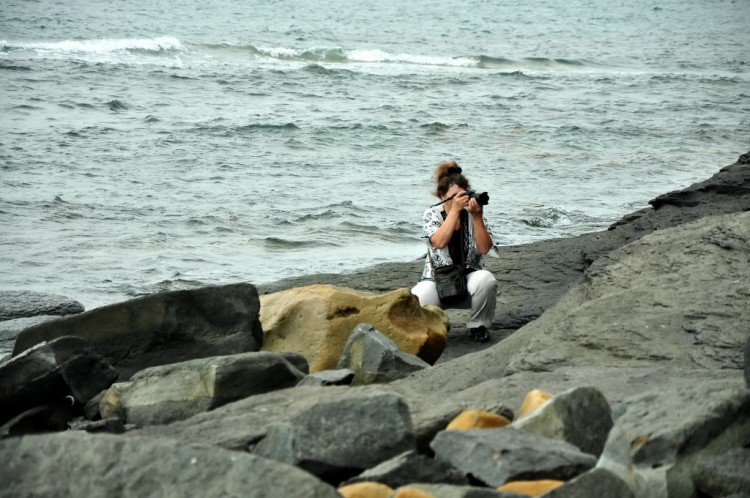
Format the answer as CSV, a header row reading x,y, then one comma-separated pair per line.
x,y
163,43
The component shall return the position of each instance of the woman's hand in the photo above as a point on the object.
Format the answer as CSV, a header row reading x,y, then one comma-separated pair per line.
x,y
474,207
460,202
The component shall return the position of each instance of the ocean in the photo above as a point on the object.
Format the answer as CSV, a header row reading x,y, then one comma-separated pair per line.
x,y
150,146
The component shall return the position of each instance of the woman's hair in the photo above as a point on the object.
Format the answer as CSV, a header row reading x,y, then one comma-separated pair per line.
x,y
449,173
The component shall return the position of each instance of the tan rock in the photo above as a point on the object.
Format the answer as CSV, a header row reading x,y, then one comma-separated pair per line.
x,y
367,489
477,419
409,492
316,321
530,488
534,400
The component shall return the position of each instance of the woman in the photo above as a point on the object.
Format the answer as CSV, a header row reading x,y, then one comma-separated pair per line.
x,y
442,228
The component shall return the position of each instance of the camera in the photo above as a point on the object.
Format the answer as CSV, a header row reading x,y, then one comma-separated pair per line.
x,y
482,198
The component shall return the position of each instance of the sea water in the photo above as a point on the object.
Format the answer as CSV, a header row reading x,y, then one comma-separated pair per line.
x,y
149,146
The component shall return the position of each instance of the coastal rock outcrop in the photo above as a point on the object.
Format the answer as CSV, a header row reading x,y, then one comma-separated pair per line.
x,y
162,328
681,288
374,358
316,321
163,394
652,318
81,464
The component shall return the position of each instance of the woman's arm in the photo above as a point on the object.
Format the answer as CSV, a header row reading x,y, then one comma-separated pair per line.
x,y
443,235
482,237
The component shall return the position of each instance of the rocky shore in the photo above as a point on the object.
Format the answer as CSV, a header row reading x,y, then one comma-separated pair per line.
x,y
618,366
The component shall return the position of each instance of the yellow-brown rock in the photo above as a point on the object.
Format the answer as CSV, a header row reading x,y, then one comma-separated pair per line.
x,y
366,489
534,400
530,488
477,419
316,322
408,492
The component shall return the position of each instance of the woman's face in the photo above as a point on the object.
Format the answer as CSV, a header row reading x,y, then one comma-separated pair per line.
x,y
453,190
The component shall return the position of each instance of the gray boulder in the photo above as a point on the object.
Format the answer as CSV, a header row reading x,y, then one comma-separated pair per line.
x,y
163,328
375,358
23,304
101,465
159,395
49,372
580,416
496,456
594,483
659,436
410,467
724,475
340,438
338,377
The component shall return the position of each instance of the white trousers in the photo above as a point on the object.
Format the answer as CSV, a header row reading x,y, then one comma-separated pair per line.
x,y
483,289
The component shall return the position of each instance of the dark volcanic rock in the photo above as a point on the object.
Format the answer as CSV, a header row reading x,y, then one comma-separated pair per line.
x,y
52,417
23,304
496,456
163,328
163,394
374,357
581,417
51,371
341,438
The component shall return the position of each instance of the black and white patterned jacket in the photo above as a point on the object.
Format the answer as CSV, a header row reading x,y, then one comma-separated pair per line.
x,y
432,220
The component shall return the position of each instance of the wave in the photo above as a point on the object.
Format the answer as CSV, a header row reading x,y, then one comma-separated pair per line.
x,y
281,244
557,217
311,55
376,55
99,46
